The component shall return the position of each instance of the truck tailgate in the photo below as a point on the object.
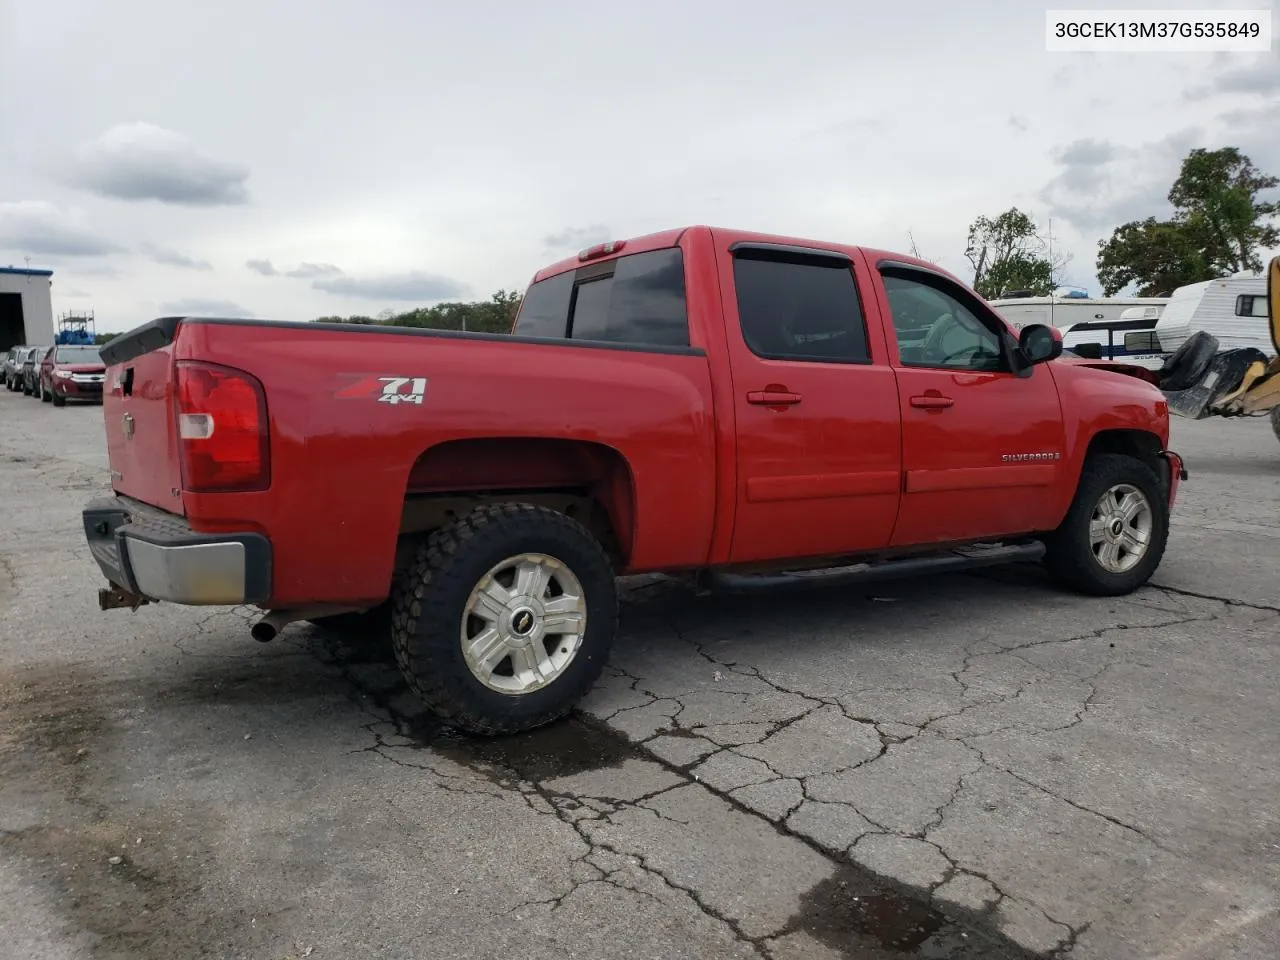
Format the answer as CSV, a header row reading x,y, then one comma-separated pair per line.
x,y
141,432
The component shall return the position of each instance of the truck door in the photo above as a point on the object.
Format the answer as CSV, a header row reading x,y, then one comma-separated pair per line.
x,y
815,404
981,445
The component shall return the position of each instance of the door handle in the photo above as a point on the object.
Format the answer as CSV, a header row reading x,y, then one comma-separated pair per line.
x,y
772,398
932,401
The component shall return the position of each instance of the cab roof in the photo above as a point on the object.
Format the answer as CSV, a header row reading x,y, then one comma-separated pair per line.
x,y
669,238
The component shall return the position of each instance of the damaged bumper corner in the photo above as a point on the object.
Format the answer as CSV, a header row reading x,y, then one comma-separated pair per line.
x,y
1177,473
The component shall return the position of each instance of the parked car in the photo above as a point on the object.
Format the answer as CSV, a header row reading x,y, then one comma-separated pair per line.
x,y
698,401
31,370
12,365
71,372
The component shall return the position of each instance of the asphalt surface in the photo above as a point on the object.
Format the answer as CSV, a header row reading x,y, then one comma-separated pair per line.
x,y
959,767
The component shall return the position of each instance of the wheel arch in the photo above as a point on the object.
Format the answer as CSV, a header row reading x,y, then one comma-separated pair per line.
x,y
589,481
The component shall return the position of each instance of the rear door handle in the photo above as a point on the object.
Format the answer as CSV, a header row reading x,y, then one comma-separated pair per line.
x,y
772,398
932,401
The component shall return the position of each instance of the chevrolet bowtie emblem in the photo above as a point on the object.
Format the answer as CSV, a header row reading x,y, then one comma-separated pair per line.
x,y
127,422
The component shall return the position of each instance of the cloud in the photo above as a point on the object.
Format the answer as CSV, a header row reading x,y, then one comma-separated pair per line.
x,y
309,271
303,271
173,258
141,161
40,228
577,238
202,307
264,267
1101,185
1083,170
1018,124
1086,152
414,285
1261,77
1253,131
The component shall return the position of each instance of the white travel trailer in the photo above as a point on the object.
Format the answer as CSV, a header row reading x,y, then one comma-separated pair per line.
x,y
1233,309
1131,339
1071,310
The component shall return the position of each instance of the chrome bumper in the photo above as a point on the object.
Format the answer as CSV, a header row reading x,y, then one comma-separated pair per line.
x,y
157,556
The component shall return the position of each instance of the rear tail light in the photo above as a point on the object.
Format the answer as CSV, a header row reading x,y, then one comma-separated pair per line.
x,y
222,429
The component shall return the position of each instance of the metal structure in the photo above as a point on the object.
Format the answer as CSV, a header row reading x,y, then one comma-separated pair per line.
x,y
76,328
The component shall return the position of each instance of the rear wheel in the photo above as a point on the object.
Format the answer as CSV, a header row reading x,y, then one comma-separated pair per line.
x,y
505,619
1115,532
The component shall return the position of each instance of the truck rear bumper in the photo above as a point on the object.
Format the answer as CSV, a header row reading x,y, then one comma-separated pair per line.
x,y
156,555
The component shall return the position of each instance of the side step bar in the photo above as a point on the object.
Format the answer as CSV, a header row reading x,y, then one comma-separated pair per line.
x,y
952,561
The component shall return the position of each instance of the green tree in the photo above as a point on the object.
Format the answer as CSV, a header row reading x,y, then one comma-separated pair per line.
x,y
494,315
1216,199
1158,256
1008,253
1219,226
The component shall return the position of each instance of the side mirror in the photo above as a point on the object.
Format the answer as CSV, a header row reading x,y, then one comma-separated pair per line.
x,y
1039,343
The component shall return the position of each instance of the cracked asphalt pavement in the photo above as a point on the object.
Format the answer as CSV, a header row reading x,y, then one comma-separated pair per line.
x,y
969,766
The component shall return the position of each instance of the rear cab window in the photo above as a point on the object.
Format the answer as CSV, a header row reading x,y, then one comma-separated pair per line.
x,y
795,305
638,299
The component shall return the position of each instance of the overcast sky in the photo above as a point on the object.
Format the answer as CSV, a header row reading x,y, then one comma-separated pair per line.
x,y
289,160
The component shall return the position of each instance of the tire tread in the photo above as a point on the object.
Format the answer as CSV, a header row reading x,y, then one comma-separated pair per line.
x,y
1069,557
431,583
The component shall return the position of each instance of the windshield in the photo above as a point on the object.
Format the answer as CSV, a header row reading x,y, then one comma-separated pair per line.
x,y
77,354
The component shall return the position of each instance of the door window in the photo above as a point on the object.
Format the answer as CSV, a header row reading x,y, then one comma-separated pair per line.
x,y
935,329
795,308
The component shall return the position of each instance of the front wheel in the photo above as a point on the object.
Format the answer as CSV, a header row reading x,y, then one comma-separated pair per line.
x,y
506,618
58,401
1114,534
46,396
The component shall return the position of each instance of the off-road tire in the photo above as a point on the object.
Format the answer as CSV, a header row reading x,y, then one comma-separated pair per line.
x,y
429,600
1069,555
1185,367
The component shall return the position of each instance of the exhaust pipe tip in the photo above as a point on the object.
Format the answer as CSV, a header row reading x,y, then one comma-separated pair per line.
x,y
266,629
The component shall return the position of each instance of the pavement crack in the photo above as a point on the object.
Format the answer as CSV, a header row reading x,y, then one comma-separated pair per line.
x,y
1115,821
1229,601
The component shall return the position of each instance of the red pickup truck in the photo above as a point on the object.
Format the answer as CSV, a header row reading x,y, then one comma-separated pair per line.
x,y
697,401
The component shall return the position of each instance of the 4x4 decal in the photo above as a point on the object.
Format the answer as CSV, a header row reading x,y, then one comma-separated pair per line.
x,y
390,390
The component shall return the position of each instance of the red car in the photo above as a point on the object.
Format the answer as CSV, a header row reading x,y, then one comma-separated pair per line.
x,y
71,372
695,401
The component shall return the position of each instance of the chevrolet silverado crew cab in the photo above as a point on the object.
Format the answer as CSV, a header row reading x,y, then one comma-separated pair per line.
x,y
699,401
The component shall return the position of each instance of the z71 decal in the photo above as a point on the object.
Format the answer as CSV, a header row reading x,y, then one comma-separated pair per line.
x,y
390,390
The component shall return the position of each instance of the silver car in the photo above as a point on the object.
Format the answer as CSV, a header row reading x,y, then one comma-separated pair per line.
x,y
11,370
